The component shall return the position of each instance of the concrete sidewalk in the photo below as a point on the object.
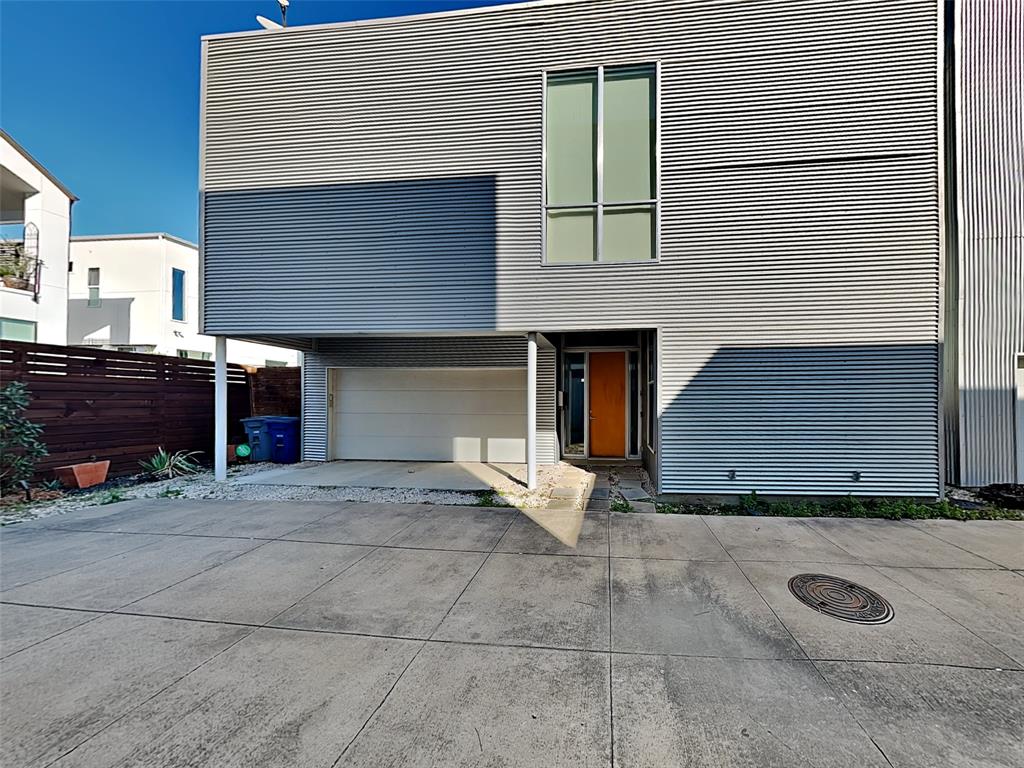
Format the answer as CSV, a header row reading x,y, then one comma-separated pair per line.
x,y
170,632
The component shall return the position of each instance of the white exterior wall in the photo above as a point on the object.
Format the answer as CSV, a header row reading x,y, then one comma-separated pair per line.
x,y
136,300
50,210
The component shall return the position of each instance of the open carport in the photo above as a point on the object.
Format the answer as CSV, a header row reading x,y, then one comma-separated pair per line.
x,y
202,633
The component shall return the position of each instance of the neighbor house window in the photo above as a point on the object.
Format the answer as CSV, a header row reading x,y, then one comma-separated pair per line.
x,y
94,287
17,330
600,195
192,354
178,294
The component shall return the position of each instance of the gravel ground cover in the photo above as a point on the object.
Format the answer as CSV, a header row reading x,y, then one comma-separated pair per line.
x,y
203,486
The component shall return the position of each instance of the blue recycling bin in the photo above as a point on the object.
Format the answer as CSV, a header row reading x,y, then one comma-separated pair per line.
x,y
259,439
284,438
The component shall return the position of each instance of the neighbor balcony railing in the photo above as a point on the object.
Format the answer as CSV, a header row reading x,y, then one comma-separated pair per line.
x,y
20,267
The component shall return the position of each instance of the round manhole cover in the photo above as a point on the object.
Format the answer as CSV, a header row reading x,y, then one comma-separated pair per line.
x,y
840,598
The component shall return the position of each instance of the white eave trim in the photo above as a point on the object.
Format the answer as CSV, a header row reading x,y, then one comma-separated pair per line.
x,y
387,20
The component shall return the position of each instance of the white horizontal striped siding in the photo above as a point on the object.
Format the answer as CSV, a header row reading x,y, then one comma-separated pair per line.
x,y
799,207
990,144
448,352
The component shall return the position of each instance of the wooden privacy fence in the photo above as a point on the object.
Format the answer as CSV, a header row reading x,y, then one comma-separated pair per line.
x,y
276,391
120,406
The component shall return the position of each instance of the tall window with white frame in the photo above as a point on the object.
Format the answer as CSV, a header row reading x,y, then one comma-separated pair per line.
x,y
600,155
178,294
94,287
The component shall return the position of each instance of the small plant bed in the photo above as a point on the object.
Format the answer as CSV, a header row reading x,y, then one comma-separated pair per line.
x,y
850,506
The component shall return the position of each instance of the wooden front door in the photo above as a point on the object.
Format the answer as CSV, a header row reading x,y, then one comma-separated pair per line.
x,y
607,382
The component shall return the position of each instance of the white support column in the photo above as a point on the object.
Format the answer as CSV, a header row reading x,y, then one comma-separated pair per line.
x,y
220,409
531,411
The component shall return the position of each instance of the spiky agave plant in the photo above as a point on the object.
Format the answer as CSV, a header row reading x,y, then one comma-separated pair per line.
x,y
166,465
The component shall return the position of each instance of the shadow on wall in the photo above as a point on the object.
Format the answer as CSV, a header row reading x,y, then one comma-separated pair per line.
x,y
992,433
109,323
805,420
352,256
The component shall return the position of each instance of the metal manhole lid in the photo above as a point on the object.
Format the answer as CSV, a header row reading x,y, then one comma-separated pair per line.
x,y
840,598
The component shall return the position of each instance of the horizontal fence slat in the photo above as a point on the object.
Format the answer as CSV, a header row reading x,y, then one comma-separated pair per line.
x,y
120,406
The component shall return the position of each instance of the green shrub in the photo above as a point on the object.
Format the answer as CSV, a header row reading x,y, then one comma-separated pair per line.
x,y
166,465
20,446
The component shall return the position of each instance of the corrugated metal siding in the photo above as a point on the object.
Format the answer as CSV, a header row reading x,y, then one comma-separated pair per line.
x,y
477,352
991,219
799,187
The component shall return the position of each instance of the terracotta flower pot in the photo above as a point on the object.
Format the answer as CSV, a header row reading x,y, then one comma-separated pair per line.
x,y
15,282
83,475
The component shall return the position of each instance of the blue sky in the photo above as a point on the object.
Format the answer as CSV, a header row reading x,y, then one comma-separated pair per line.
x,y
106,95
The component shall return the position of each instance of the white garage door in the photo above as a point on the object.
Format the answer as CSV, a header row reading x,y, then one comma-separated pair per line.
x,y
430,414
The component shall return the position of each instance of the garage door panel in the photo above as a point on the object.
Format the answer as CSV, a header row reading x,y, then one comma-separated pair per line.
x,y
429,425
421,401
430,414
431,448
456,379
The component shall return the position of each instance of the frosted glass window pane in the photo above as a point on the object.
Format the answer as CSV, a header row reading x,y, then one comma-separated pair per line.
x,y
17,330
629,134
571,235
628,234
571,141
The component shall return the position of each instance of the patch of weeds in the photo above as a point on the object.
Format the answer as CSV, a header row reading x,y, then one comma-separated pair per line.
x,y
492,499
170,493
112,497
856,507
620,505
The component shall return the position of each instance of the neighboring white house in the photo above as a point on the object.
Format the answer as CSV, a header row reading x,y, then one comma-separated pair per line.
x,y
140,293
35,214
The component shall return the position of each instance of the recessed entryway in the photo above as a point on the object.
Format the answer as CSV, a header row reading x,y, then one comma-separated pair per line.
x,y
600,399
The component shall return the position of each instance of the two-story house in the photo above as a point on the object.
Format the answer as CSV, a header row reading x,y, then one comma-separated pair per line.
x,y
140,293
35,223
709,236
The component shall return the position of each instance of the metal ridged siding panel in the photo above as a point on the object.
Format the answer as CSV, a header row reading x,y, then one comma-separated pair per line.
x,y
991,220
479,352
800,207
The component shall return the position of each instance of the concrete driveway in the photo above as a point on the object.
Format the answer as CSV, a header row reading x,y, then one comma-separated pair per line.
x,y
438,475
174,633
